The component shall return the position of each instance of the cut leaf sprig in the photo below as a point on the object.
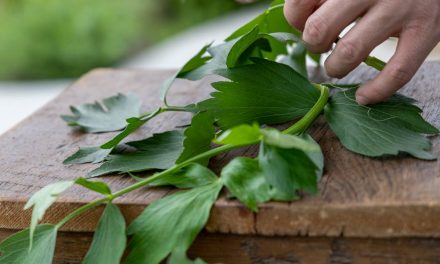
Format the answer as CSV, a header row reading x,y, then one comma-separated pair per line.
x,y
264,63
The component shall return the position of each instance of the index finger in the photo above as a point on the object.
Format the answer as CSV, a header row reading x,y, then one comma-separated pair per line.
x,y
297,11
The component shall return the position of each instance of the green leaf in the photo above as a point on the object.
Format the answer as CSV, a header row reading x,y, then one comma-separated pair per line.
x,y
100,187
278,139
248,27
110,115
198,137
253,37
170,224
109,240
157,152
191,176
316,156
341,86
132,124
235,51
240,135
271,20
276,2
316,57
15,249
42,200
216,65
246,180
88,155
195,62
288,169
296,58
386,128
265,92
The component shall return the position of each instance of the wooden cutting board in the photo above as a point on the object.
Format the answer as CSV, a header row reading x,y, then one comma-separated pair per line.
x,y
367,210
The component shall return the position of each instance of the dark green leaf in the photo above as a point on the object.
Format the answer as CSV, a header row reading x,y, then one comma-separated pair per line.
x,y
290,163
109,239
170,224
191,176
42,200
341,86
132,124
15,249
246,41
105,117
198,137
100,187
157,152
88,155
245,180
288,170
383,129
265,92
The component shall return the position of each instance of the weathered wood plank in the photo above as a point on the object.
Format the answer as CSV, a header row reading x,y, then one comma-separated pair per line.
x,y
358,196
232,249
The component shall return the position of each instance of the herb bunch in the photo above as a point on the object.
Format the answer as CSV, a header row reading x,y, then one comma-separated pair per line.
x,y
264,63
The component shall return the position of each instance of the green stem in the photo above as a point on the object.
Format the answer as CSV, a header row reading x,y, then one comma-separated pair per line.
x,y
149,115
86,207
81,210
375,63
208,154
310,117
163,109
178,109
298,127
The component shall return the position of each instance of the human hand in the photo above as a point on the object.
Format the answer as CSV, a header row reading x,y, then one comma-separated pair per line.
x,y
416,23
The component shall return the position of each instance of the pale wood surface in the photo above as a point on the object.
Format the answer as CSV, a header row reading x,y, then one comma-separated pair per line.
x,y
359,197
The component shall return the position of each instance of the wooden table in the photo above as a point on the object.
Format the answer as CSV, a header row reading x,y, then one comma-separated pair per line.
x,y
367,210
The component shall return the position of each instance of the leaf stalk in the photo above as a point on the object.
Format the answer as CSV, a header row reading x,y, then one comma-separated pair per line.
x,y
297,128
304,123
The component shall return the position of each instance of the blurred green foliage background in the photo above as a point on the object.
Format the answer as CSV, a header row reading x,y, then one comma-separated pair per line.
x,y
65,38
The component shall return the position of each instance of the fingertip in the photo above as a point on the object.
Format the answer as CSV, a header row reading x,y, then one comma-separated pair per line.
x,y
369,93
292,17
362,100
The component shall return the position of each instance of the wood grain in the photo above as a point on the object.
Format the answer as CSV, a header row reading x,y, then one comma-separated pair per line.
x,y
244,249
359,197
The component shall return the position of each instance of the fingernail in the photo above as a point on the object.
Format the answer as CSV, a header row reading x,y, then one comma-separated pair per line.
x,y
362,100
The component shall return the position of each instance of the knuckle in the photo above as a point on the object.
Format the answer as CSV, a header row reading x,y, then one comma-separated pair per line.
x,y
349,50
400,74
315,29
